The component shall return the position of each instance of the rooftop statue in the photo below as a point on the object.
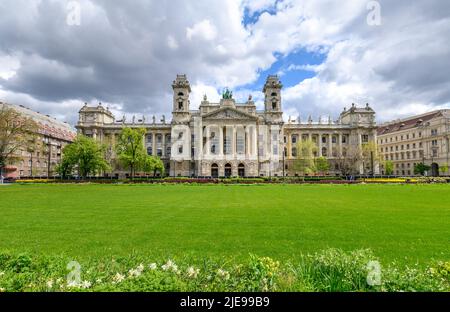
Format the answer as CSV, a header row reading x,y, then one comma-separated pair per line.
x,y
227,94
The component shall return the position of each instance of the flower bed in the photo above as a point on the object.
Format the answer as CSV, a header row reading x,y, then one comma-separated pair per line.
x,y
330,270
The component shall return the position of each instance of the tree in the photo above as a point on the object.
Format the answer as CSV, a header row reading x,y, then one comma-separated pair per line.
x,y
130,149
17,133
443,169
322,165
421,168
84,155
368,156
348,160
304,161
388,167
153,164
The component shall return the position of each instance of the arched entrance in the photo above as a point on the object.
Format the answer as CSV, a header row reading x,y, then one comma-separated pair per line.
x,y
434,169
214,171
228,171
241,170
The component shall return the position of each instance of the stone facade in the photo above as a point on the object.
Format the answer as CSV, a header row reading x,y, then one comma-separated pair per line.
x,y
233,139
418,139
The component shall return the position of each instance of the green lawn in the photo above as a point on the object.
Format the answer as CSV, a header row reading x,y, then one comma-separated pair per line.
x,y
406,223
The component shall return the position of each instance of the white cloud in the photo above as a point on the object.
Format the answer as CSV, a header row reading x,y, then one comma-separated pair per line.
x,y
204,30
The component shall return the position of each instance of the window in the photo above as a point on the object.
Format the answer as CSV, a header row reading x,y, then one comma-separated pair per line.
x,y
434,143
180,149
159,138
344,139
240,144
150,138
180,105
324,152
365,138
149,151
274,105
294,139
294,152
334,140
435,153
434,132
324,139
180,135
159,152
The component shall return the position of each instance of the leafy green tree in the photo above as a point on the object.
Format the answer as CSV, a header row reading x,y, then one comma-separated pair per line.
x,y
421,168
322,165
153,164
84,155
130,149
388,167
304,162
443,169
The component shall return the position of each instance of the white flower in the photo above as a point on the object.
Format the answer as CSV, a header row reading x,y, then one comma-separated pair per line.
x,y
152,266
50,284
59,281
118,278
2,289
73,284
140,267
134,273
99,281
170,266
223,274
2,273
192,272
86,284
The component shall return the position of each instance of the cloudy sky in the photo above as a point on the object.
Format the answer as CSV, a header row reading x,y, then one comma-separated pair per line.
x,y
127,53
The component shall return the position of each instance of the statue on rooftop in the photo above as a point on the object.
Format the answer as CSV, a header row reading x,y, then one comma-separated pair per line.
x,y
227,94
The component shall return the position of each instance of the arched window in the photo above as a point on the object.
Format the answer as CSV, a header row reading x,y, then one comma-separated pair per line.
x,y
180,105
228,171
274,94
274,105
241,170
214,171
180,94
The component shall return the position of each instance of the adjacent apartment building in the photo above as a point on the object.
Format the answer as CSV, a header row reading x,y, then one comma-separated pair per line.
x,y
41,157
228,138
419,139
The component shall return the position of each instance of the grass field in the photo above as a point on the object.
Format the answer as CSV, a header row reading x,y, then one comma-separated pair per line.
x,y
404,223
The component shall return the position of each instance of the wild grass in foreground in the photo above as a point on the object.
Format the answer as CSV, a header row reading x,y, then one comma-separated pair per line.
x,y
329,270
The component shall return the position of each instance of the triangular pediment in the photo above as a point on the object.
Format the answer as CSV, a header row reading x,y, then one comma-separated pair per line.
x,y
228,113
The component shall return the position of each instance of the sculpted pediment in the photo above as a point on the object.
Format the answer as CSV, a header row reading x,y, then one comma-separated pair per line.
x,y
228,113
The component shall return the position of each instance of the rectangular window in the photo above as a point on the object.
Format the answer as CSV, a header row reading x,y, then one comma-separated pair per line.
x,y
365,138
240,144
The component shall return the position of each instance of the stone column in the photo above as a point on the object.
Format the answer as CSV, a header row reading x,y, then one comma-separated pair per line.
x,y
330,145
163,145
154,144
320,145
340,144
221,151
234,143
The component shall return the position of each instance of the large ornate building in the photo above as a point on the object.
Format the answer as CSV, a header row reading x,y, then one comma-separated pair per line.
x,y
236,139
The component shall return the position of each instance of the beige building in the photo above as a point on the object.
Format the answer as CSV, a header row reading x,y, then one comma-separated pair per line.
x,y
44,154
234,139
419,139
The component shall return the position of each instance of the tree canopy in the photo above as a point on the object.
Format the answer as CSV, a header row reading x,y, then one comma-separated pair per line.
x,y
84,155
